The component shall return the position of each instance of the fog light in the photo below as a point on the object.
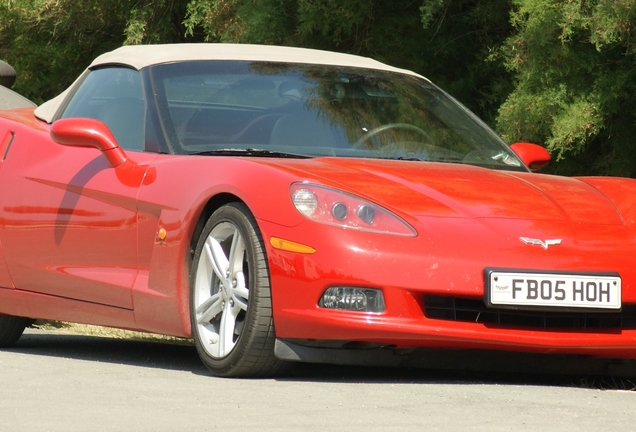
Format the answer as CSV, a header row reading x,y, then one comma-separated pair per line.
x,y
353,299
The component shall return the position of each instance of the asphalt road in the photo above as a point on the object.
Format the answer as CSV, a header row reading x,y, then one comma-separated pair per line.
x,y
62,382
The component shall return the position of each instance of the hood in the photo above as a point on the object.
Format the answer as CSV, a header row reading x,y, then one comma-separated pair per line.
x,y
463,191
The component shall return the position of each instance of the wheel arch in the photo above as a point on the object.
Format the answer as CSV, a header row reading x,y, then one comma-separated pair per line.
x,y
214,203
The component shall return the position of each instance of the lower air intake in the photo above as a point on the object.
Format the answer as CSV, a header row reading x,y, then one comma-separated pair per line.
x,y
474,310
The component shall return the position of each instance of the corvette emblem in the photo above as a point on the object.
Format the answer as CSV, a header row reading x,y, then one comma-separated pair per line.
x,y
544,244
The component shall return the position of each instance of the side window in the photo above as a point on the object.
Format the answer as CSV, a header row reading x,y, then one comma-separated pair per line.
x,y
113,95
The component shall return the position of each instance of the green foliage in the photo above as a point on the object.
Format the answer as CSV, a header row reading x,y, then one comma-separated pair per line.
x,y
459,51
574,64
241,21
49,42
29,28
154,21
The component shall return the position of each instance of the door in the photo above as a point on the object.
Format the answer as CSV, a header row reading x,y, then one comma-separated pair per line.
x,y
68,221
68,224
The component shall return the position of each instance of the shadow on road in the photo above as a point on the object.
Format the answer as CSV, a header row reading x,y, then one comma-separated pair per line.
x,y
109,350
434,366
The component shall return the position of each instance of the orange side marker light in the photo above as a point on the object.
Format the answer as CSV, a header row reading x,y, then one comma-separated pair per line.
x,y
290,246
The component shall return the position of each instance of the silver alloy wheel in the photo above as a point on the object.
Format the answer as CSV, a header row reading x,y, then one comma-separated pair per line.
x,y
231,309
221,293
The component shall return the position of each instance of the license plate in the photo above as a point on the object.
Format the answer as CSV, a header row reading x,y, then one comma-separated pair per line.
x,y
547,290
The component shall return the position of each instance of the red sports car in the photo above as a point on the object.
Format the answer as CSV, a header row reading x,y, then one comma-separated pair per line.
x,y
281,204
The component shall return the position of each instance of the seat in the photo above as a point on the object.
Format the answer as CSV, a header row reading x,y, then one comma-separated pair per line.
x,y
125,119
302,130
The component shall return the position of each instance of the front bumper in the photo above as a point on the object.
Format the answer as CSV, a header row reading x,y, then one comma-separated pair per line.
x,y
446,259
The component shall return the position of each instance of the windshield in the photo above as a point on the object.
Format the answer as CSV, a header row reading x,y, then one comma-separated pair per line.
x,y
317,110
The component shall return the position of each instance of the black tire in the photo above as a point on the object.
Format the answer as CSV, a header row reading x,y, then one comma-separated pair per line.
x,y
11,328
231,312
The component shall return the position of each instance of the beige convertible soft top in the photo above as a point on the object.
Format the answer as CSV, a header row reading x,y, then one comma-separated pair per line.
x,y
140,56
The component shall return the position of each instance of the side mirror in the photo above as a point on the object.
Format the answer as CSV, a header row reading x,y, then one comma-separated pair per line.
x,y
88,132
533,155
7,74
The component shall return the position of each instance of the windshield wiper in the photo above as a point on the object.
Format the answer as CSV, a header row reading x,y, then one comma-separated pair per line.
x,y
402,158
409,159
250,152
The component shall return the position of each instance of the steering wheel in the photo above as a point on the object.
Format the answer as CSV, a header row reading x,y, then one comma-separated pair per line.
x,y
380,129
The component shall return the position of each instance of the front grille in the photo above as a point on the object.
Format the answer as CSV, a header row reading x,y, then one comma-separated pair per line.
x,y
471,310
